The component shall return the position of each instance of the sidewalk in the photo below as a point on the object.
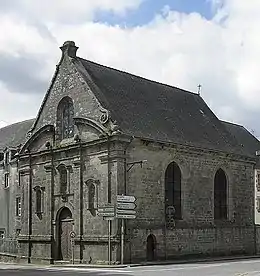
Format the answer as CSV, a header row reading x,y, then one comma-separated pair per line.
x,y
155,263
197,260
168,262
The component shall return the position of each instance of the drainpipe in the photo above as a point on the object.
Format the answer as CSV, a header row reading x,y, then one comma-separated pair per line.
x,y
50,146
52,202
109,197
81,201
30,208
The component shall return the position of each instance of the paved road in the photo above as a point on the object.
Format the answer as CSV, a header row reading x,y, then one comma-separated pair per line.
x,y
236,268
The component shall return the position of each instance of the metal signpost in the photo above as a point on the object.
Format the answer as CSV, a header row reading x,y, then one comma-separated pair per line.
x,y
72,236
125,210
108,213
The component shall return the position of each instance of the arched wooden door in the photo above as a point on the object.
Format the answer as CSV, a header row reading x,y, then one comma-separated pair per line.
x,y
150,247
65,223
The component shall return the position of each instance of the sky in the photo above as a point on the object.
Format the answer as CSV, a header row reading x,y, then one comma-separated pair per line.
x,y
184,43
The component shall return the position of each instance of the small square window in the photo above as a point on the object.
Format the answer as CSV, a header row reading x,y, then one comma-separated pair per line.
x,y
6,180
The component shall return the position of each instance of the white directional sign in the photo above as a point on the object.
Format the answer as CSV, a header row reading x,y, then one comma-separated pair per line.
x,y
123,216
106,209
124,198
126,205
109,218
108,214
127,212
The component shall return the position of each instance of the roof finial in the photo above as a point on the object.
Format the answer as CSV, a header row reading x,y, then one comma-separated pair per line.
x,y
199,89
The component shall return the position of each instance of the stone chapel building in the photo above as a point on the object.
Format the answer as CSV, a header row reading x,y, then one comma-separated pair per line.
x,y
195,192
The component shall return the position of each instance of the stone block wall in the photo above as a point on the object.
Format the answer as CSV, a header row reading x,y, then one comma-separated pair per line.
x,y
197,233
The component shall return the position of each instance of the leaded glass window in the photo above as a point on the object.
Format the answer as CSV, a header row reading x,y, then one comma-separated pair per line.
x,y
63,179
220,195
173,191
65,114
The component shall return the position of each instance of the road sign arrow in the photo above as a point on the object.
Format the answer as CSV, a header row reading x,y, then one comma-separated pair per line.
x,y
106,214
129,212
126,205
106,209
125,198
123,216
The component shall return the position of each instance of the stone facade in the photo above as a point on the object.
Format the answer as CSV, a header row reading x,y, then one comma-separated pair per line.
x,y
197,233
92,166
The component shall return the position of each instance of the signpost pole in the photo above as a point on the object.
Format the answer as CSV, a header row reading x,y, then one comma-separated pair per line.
x,y
122,240
73,248
109,242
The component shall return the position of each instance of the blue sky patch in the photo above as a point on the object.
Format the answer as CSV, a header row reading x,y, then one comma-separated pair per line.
x,y
149,8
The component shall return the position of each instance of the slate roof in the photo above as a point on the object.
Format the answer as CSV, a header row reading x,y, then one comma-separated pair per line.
x,y
151,110
244,138
14,135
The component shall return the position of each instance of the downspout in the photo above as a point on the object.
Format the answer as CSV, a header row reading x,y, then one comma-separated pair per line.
x,y
52,201
108,170
125,192
254,213
30,209
109,196
81,200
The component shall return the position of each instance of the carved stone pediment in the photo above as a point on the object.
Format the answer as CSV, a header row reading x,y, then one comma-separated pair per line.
x,y
90,130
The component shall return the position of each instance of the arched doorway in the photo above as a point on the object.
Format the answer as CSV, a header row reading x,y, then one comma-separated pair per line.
x,y
150,247
65,226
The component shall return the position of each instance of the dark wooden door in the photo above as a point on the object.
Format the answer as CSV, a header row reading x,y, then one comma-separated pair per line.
x,y
150,249
65,228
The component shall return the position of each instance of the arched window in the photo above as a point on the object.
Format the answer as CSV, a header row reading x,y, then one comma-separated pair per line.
x,y
63,179
173,191
91,196
220,195
65,114
38,199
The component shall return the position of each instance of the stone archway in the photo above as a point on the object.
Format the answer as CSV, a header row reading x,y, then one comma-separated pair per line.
x,y
150,247
65,226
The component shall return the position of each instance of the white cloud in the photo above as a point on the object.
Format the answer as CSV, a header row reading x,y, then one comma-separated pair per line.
x,y
183,50
16,107
77,10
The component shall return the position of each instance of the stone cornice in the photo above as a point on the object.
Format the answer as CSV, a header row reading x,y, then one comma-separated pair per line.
x,y
198,151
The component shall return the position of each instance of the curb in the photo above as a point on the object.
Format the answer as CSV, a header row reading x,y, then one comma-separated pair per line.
x,y
91,266
191,261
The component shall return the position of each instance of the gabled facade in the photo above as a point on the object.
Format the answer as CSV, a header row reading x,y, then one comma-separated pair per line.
x,y
195,192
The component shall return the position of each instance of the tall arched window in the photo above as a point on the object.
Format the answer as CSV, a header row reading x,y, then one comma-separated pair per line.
x,y
91,196
65,114
220,195
173,191
39,199
63,179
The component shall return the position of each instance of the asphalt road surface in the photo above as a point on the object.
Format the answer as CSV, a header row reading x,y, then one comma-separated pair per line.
x,y
227,268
